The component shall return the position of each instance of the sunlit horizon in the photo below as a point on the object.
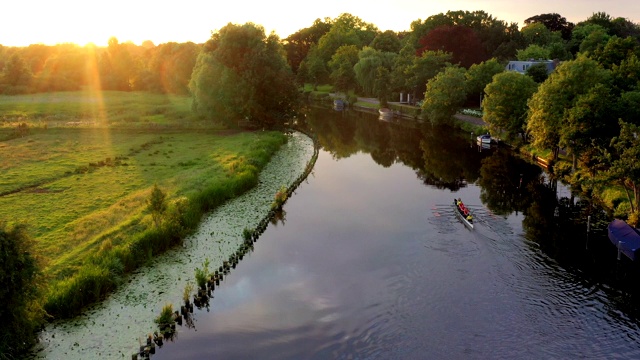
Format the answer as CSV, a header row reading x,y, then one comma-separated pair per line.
x,y
81,23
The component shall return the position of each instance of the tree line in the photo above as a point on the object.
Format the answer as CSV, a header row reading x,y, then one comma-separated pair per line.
x,y
119,66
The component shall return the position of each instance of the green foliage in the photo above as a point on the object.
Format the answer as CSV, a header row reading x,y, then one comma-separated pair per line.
x,y
242,75
297,44
19,276
341,65
536,34
165,318
366,69
548,106
16,77
535,52
247,233
386,41
345,30
381,87
157,204
590,124
623,161
445,94
505,105
480,75
538,72
186,293
279,198
634,218
423,68
109,233
202,274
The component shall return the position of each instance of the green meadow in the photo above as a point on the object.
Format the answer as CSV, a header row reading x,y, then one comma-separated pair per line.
x,y
81,176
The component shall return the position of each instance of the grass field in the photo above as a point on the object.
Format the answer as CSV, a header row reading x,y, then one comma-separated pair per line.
x,y
83,190
88,108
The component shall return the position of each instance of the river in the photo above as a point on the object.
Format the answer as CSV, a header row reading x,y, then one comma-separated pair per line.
x,y
368,261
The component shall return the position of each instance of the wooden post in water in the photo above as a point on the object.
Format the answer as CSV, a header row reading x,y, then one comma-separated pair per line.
x,y
619,245
586,245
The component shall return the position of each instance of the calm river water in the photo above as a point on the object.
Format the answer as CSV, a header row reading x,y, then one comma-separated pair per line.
x,y
369,261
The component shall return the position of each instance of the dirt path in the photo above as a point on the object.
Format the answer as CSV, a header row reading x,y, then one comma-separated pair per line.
x,y
471,119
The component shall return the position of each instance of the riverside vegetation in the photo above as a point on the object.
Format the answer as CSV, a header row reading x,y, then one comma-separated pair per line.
x,y
81,170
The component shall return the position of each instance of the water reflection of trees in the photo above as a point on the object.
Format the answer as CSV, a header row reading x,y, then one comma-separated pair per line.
x,y
448,159
503,180
441,157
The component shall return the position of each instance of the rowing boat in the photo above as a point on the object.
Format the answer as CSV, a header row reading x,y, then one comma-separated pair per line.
x,y
460,214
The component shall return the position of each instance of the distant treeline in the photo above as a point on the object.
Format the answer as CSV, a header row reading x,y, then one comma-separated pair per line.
x,y
120,66
346,52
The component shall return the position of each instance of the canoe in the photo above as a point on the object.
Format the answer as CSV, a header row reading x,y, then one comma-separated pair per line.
x,y
460,215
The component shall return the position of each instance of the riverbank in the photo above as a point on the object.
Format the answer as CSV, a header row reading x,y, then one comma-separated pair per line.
x,y
112,328
83,189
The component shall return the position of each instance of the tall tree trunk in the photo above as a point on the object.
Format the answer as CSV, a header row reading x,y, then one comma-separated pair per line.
x,y
626,190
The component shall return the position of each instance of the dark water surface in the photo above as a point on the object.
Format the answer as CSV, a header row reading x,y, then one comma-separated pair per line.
x,y
369,261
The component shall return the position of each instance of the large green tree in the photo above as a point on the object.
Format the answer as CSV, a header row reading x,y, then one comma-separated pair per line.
x,y
117,67
346,29
480,75
446,92
169,68
386,41
553,22
298,44
422,69
548,106
589,124
242,75
366,69
342,62
16,78
505,105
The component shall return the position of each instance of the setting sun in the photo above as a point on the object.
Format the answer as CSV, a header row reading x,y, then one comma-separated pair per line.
x,y
81,22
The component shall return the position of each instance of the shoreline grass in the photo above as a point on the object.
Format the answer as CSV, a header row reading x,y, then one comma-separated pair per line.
x,y
82,190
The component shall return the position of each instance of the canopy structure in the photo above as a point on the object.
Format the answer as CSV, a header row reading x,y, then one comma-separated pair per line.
x,y
625,238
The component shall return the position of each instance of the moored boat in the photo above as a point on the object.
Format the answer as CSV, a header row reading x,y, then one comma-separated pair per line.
x,y
625,237
484,139
385,113
463,213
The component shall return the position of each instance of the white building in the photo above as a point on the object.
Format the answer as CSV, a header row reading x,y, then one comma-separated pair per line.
x,y
522,66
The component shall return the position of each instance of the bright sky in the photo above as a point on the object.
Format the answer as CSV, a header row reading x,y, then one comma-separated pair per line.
x,y
50,22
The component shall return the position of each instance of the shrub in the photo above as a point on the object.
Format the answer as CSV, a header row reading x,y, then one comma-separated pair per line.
x,y
633,218
157,204
202,274
19,276
622,210
280,198
165,319
186,294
